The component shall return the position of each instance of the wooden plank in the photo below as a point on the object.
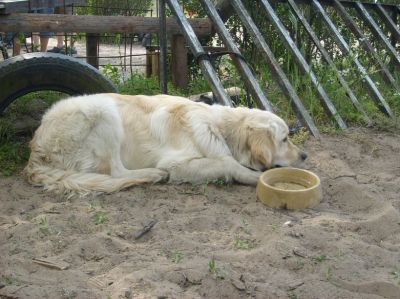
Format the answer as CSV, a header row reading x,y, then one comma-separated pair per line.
x,y
388,21
197,50
279,74
179,62
328,59
367,18
95,24
364,42
243,68
302,63
345,48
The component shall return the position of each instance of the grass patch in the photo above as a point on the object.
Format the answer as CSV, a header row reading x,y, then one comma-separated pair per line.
x,y
243,244
14,149
100,218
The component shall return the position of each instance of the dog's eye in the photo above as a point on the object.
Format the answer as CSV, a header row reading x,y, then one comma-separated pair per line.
x,y
285,139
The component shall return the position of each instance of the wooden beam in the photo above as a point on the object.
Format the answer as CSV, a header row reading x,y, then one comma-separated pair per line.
x,y
95,24
179,62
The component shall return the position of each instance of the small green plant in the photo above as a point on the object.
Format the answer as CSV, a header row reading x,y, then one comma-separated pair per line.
x,y
178,257
112,72
213,269
320,258
100,217
220,182
10,280
44,226
329,273
396,274
243,244
91,208
300,137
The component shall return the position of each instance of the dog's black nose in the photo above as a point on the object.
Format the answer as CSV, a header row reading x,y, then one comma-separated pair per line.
x,y
303,156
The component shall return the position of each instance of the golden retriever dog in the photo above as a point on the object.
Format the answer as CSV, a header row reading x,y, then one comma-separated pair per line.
x,y
107,142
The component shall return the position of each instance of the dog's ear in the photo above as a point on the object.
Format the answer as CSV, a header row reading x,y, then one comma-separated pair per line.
x,y
262,146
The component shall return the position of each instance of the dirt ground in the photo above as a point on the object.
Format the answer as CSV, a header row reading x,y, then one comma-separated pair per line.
x,y
213,241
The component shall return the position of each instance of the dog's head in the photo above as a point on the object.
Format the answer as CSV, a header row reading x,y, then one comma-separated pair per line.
x,y
266,142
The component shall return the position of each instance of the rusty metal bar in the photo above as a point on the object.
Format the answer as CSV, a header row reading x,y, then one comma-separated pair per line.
x,y
198,51
367,18
243,68
275,68
365,43
388,21
306,69
345,48
296,10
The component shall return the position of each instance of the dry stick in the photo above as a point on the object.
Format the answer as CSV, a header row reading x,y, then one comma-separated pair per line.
x,y
145,229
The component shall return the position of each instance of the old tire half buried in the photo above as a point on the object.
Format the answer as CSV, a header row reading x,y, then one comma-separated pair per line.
x,y
48,71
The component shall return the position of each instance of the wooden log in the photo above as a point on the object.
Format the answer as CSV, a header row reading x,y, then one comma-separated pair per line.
x,y
95,24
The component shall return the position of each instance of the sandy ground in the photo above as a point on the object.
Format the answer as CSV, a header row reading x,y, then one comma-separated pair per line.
x,y
213,241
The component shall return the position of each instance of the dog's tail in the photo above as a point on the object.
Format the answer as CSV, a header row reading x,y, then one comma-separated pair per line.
x,y
71,183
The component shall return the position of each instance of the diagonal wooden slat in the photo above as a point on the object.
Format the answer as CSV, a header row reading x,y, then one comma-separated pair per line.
x,y
275,68
305,68
388,21
246,73
296,10
367,18
345,48
197,50
365,43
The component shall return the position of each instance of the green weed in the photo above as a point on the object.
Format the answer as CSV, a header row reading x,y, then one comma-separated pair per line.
x,y
320,258
216,271
44,226
100,217
396,274
243,244
178,257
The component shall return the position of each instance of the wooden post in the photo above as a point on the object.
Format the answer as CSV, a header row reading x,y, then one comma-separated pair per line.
x,y
92,46
179,61
155,63
149,55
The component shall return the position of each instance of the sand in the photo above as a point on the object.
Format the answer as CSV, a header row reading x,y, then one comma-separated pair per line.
x,y
213,241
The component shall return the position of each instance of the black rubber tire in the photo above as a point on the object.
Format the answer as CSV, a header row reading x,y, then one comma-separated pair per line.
x,y
30,72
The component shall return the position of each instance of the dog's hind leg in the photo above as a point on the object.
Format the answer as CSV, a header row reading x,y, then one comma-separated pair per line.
x,y
101,151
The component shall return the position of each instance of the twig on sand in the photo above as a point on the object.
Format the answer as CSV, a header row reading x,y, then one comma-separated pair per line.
x,y
145,229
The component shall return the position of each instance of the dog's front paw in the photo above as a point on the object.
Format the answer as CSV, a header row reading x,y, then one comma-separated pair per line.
x,y
248,178
159,176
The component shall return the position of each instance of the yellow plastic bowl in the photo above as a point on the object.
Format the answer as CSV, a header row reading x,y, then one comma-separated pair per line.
x,y
289,188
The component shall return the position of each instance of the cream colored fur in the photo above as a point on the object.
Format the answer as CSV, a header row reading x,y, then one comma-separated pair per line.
x,y
107,142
